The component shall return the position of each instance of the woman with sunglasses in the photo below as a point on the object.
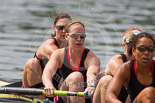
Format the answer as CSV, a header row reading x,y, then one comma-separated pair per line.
x,y
137,75
112,66
32,75
78,65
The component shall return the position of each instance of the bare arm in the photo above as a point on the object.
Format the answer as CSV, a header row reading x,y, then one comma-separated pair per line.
x,y
120,78
93,68
51,68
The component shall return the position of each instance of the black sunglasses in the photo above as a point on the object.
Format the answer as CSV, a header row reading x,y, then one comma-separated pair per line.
x,y
60,27
143,48
76,35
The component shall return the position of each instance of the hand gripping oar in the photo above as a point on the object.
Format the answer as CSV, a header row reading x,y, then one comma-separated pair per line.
x,y
67,93
32,91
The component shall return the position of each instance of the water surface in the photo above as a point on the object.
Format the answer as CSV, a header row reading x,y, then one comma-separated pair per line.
x,y
26,24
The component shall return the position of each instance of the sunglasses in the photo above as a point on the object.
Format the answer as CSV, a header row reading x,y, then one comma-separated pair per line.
x,y
143,48
60,27
76,35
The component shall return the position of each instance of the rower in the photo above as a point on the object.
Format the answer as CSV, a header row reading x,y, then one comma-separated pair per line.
x,y
112,66
78,65
32,74
137,75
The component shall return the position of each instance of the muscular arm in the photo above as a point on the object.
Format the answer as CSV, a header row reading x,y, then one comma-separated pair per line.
x,y
93,67
47,48
51,68
120,78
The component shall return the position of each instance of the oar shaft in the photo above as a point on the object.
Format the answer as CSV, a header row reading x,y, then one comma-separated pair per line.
x,y
22,91
32,91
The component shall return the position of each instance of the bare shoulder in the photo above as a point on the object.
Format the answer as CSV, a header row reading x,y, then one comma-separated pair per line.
x,y
92,55
49,41
125,67
124,72
92,58
117,58
113,64
59,52
46,49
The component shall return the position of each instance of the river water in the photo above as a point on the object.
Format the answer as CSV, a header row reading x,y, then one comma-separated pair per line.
x,y
26,24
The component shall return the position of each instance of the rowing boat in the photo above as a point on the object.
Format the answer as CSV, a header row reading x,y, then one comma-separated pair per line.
x,y
2,83
10,92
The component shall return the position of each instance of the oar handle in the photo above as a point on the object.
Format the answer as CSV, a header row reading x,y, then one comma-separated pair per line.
x,y
67,93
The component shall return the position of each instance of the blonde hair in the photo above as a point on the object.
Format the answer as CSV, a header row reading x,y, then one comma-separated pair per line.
x,y
67,29
127,35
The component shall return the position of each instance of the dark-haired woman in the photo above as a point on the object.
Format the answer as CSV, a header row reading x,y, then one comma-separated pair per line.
x,y
112,66
138,75
32,75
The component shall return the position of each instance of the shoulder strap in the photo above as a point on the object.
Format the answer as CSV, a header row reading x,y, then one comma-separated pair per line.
x,y
84,57
152,68
35,56
65,61
124,58
56,43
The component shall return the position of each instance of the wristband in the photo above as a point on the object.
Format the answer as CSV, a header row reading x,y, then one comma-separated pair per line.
x,y
91,85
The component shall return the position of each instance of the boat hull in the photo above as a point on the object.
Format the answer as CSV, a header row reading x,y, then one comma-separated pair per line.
x,y
17,98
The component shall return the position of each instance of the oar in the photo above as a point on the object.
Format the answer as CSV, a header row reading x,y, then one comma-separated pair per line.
x,y
22,91
32,91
